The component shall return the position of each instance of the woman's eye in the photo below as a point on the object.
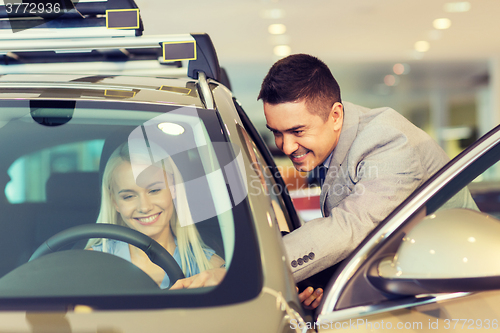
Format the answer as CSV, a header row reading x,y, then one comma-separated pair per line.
x,y
155,190
127,197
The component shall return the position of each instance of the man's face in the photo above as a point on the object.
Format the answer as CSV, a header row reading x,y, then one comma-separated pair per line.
x,y
304,137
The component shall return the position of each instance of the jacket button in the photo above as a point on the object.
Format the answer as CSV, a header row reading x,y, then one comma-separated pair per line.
x,y
294,263
311,256
306,258
300,261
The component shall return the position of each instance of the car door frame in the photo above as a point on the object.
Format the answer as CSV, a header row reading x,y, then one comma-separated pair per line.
x,y
440,187
294,220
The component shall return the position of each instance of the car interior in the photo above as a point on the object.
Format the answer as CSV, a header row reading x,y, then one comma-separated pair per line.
x,y
62,167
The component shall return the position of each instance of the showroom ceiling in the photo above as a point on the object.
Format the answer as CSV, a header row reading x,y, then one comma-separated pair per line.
x,y
361,41
335,30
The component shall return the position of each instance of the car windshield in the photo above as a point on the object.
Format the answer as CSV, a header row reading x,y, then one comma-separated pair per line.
x,y
72,164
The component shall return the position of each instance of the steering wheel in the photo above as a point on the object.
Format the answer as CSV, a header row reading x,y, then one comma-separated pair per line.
x,y
155,252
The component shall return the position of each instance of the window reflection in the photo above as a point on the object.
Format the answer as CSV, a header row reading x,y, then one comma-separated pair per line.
x,y
29,173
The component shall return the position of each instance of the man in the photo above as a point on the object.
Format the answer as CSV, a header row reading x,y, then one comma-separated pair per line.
x,y
375,159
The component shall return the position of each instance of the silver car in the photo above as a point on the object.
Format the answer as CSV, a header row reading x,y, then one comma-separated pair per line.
x,y
428,266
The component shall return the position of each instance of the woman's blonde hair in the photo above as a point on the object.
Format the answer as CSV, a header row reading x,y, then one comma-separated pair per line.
x,y
189,242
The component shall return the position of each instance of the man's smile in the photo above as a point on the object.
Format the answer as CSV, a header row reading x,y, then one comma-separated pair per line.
x,y
298,157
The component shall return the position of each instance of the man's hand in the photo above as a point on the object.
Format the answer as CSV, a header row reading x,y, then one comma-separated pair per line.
x,y
210,277
310,298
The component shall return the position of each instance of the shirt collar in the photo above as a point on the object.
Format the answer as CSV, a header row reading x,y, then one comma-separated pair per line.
x,y
326,162
347,134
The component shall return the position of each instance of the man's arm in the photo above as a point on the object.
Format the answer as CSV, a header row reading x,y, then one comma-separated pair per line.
x,y
391,169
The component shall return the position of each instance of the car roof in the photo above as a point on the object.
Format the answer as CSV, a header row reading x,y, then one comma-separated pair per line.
x,y
101,45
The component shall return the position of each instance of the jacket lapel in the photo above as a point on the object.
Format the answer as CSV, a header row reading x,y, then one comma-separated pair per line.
x,y
335,176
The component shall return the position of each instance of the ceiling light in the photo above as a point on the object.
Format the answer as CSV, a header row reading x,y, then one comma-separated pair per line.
x,y
422,46
277,29
171,128
282,50
441,23
457,7
272,14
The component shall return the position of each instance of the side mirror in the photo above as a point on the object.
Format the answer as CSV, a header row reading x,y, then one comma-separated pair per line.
x,y
456,250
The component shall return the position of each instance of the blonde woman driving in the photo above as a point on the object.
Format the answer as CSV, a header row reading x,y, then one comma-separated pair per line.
x,y
155,204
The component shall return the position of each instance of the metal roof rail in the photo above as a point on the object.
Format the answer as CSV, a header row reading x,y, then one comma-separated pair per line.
x,y
70,14
204,91
207,60
197,48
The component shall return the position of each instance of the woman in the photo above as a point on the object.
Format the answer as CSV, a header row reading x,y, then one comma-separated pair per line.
x,y
155,204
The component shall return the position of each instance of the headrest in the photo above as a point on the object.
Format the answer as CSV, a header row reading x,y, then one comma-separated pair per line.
x,y
73,188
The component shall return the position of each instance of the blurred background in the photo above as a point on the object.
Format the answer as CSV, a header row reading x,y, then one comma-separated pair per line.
x,y
437,62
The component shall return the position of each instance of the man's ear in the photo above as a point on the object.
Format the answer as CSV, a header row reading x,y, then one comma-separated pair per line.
x,y
337,115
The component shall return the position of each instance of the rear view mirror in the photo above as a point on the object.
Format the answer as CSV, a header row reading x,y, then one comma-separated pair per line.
x,y
456,250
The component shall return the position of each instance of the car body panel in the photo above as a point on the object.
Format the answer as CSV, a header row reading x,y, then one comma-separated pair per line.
x,y
474,311
218,319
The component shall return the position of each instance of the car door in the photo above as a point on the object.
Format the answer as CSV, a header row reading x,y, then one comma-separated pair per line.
x,y
433,263
263,163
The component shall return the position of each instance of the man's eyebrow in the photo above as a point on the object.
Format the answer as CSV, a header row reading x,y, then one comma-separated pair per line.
x,y
287,130
270,128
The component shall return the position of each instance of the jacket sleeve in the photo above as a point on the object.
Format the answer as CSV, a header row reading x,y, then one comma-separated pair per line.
x,y
381,169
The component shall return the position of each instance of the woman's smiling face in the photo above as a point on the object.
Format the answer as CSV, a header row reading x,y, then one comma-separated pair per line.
x,y
146,208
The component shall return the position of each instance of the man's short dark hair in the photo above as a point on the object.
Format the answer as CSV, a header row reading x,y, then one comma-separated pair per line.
x,y
301,77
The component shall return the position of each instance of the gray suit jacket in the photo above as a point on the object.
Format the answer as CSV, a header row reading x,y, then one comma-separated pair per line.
x,y
379,160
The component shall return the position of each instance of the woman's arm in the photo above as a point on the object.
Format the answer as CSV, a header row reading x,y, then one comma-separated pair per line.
x,y
210,277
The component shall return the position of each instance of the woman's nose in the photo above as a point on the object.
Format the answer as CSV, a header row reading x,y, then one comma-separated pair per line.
x,y
145,204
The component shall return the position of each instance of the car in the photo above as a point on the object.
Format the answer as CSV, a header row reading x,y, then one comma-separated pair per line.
x,y
429,265
58,133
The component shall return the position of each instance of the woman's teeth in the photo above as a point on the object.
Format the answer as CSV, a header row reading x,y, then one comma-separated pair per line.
x,y
148,219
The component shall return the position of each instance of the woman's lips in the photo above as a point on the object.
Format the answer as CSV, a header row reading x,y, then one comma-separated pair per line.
x,y
148,219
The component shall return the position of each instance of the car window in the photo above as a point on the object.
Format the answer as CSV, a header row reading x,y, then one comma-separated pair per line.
x,y
264,183
59,170
268,175
29,174
485,190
